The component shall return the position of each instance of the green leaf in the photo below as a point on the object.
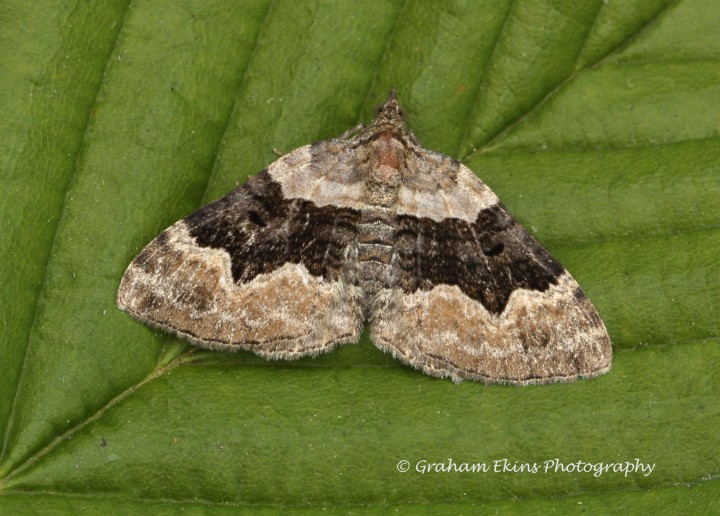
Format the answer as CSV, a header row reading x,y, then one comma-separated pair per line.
x,y
597,123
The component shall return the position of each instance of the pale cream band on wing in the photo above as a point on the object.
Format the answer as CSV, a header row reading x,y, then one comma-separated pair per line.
x,y
538,335
258,315
418,196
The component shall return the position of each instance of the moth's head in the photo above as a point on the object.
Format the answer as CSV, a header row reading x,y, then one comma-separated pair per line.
x,y
390,112
389,122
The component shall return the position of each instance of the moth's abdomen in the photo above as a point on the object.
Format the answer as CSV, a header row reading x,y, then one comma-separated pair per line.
x,y
376,237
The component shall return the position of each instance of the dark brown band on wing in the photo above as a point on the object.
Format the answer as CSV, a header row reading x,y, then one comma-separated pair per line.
x,y
487,260
262,230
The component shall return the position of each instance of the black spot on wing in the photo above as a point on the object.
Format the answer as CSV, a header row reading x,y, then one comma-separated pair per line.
x,y
262,230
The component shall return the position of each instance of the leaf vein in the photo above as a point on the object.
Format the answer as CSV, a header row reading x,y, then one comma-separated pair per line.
x,y
53,243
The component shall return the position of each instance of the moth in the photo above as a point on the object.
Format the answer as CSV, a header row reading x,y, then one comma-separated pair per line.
x,y
370,226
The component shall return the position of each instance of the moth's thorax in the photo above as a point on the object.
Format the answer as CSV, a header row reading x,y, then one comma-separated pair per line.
x,y
383,176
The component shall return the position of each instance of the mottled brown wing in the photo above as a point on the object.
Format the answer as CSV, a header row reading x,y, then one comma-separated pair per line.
x,y
253,270
483,300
